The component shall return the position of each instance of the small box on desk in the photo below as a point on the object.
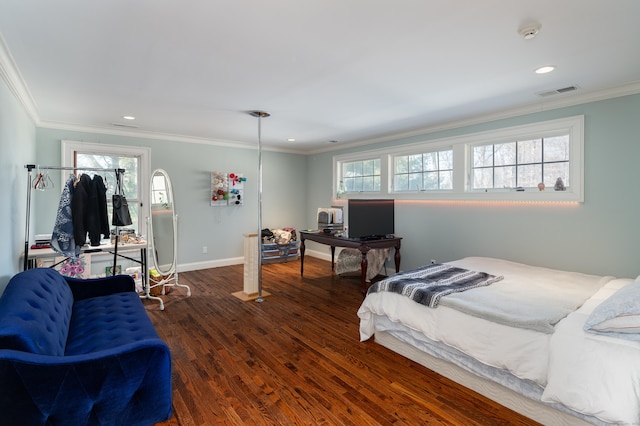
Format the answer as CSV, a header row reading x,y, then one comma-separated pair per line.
x,y
331,218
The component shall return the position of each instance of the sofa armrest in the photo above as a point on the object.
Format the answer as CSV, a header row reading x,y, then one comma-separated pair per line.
x,y
93,287
126,385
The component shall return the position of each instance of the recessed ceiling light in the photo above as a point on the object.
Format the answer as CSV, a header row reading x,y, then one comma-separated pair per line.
x,y
129,117
291,140
545,69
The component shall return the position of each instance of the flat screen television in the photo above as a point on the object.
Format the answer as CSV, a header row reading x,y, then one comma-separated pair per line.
x,y
370,219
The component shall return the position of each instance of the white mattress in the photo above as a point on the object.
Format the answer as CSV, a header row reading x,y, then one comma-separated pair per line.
x,y
522,352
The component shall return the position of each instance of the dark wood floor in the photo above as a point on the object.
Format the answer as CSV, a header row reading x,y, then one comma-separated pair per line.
x,y
296,358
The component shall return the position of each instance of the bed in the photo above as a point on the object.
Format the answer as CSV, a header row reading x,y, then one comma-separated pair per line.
x,y
517,335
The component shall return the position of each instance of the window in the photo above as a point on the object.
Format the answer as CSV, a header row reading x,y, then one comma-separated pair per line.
x,y
361,175
523,164
428,171
135,162
502,164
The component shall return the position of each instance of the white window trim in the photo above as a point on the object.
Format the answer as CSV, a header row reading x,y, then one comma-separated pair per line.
x,y
461,146
70,147
363,155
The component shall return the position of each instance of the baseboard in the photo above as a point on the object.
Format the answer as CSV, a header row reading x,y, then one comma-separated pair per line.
x,y
196,266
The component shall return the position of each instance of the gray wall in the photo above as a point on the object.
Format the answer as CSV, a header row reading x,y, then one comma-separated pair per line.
x,y
599,236
189,165
17,148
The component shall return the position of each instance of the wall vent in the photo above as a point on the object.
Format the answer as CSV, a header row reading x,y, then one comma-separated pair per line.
x,y
557,91
128,126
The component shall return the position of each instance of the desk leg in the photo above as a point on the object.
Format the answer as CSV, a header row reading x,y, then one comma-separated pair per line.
x,y
364,264
333,256
302,248
397,258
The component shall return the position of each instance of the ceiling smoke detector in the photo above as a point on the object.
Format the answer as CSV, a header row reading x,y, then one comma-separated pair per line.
x,y
529,31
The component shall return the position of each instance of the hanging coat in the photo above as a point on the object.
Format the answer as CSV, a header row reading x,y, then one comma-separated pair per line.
x,y
97,217
79,207
62,237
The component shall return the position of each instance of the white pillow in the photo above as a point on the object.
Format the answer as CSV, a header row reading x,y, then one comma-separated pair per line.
x,y
619,315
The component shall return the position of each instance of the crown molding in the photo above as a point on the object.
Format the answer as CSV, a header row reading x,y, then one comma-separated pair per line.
x,y
142,134
546,105
16,84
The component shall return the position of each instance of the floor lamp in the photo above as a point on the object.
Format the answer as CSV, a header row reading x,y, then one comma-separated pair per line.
x,y
260,115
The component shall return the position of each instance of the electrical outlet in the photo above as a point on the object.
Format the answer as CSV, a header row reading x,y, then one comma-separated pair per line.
x,y
433,261
204,250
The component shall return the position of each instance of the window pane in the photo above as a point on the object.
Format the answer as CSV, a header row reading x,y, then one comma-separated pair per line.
x,y
347,170
430,161
504,154
415,163
505,177
415,182
361,175
376,183
357,168
446,180
555,170
530,152
367,168
482,178
483,156
129,164
430,181
445,159
368,183
348,184
357,184
556,148
401,182
402,164
530,175
422,170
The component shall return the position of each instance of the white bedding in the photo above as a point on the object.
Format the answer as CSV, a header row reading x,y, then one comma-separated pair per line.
x,y
523,352
594,374
529,297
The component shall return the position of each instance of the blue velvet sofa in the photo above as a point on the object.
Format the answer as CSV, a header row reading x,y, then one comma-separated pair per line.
x,y
79,352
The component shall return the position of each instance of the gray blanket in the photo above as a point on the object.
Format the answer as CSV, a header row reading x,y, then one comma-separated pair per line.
x,y
529,297
428,284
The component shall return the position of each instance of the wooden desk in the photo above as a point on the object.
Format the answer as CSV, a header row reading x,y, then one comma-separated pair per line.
x,y
363,245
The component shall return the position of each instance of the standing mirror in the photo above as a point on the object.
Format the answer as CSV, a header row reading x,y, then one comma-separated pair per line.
x,y
163,233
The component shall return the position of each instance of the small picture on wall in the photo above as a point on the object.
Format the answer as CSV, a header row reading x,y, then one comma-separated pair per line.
x,y
109,270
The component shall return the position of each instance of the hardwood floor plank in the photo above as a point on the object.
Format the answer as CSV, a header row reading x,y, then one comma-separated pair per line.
x,y
296,359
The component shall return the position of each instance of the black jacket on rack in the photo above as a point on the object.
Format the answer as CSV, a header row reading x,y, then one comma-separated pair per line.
x,y
98,220
89,210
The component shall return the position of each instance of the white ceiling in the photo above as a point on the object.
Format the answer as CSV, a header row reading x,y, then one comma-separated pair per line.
x,y
350,71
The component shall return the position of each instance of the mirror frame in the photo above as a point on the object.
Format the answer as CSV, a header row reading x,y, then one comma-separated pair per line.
x,y
174,222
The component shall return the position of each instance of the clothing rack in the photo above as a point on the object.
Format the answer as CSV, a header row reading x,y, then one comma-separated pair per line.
x,y
30,168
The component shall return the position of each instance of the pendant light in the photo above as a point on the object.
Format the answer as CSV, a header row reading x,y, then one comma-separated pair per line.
x,y
260,115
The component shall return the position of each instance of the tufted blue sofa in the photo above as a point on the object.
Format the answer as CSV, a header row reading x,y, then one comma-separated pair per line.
x,y
79,352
